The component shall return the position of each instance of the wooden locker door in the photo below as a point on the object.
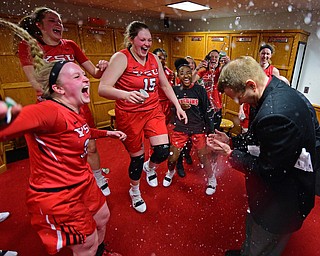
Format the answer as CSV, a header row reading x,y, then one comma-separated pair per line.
x,y
98,44
178,47
241,45
196,46
244,45
71,31
119,39
283,44
157,42
218,42
100,106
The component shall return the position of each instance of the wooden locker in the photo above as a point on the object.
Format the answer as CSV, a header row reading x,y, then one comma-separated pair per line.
x,y
218,42
98,44
196,46
100,106
285,44
119,39
244,44
178,47
71,31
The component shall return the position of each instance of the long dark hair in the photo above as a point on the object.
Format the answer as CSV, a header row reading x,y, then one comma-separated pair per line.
x,y
29,22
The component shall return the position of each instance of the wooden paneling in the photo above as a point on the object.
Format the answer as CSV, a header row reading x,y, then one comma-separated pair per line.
x,y
71,31
98,44
97,41
196,46
119,39
244,44
218,42
230,111
99,106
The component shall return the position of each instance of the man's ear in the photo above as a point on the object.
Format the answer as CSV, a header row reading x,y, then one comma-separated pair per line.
x,y
58,89
251,84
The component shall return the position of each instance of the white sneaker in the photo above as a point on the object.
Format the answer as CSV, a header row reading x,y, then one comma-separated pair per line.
x,y
168,178
8,253
4,216
137,202
211,186
102,183
151,174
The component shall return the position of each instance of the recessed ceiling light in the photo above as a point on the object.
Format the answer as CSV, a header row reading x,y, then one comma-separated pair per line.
x,y
188,6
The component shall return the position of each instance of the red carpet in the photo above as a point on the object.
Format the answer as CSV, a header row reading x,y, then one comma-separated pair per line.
x,y
180,220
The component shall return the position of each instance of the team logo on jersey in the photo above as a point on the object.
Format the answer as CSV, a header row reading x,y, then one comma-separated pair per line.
x,y
66,57
190,101
83,130
152,72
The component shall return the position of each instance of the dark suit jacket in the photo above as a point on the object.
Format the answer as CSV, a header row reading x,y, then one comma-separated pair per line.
x,y
280,196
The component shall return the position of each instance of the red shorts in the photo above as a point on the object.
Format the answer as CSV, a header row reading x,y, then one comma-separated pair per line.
x,y
66,217
140,125
85,112
179,139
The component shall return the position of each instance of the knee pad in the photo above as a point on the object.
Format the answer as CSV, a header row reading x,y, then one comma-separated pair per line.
x,y
135,167
160,153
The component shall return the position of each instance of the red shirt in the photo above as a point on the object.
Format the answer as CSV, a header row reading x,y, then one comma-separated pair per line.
x,y
269,70
210,82
136,77
57,140
66,50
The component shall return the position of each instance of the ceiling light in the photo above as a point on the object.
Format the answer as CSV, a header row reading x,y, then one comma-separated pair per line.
x,y
188,6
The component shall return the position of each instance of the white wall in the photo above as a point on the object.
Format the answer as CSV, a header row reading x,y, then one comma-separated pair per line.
x,y
310,75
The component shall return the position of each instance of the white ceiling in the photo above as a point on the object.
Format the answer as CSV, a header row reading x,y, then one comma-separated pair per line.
x,y
219,8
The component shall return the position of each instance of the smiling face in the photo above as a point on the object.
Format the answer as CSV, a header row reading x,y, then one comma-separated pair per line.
x,y
192,64
265,56
185,75
141,43
51,28
214,60
73,87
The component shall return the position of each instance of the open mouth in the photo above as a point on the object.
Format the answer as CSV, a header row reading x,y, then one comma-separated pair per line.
x,y
57,31
144,49
85,90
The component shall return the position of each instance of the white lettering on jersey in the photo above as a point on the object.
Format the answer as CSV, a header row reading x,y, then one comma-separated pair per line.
x,y
146,72
66,57
82,130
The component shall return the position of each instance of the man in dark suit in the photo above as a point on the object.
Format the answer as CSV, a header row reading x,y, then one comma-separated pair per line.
x,y
277,156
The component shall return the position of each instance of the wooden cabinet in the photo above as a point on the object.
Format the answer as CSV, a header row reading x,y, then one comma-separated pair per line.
x,y
218,41
237,44
178,47
244,44
196,46
98,44
119,39
286,45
